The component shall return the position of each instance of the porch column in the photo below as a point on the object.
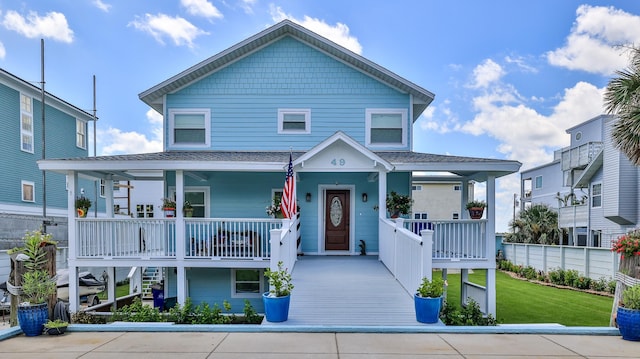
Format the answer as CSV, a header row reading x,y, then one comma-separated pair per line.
x,y
382,194
181,283
111,286
180,228
464,198
491,245
108,195
72,178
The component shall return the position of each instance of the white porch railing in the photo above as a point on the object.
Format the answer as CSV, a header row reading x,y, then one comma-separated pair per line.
x,y
454,240
229,238
406,254
215,238
125,238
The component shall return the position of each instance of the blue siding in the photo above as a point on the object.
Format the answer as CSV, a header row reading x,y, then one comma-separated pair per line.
x,y
213,286
244,98
18,165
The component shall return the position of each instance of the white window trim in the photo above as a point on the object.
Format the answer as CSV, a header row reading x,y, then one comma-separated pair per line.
x,y
592,195
84,133
247,295
33,186
22,132
207,126
294,111
405,129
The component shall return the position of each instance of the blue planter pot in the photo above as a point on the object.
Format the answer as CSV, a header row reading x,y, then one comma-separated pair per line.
x,y
629,323
427,309
276,309
32,318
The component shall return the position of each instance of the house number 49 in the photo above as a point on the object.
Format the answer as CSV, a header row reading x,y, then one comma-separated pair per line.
x,y
338,162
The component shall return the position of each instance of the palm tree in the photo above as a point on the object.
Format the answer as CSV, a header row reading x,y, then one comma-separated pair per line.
x,y
622,98
536,224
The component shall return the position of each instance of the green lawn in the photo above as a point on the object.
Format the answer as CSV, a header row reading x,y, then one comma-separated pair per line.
x,y
520,301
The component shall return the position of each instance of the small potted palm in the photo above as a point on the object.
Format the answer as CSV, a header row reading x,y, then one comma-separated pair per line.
x,y
428,299
476,208
36,284
187,209
276,300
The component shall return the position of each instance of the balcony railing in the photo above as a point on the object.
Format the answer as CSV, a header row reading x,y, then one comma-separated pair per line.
x,y
573,216
215,238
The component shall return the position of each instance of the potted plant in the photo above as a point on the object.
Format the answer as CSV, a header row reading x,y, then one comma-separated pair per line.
x,y
187,209
169,207
398,204
274,210
56,327
36,283
628,314
82,206
276,300
476,209
428,299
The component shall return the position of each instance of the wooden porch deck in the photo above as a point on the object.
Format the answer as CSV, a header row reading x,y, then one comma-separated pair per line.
x,y
347,291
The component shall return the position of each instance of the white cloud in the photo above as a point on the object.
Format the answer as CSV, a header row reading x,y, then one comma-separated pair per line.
x,y
201,8
3,52
592,44
486,73
247,5
102,5
120,142
181,31
338,33
53,25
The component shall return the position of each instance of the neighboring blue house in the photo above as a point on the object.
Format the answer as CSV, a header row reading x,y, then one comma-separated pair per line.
x,y
591,184
21,142
231,123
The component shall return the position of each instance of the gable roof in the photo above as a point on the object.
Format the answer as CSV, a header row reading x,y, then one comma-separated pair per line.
x,y
154,96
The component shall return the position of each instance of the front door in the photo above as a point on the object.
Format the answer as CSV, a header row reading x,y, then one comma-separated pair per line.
x,y
336,220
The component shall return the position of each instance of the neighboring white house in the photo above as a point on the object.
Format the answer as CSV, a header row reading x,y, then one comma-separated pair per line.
x,y
435,198
591,184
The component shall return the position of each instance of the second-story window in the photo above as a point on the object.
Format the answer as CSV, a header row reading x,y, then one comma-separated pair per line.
x,y
189,127
386,127
26,124
81,134
596,195
294,121
538,182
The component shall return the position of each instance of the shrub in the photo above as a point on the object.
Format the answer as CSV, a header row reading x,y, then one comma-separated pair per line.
x,y
599,285
468,315
529,272
611,286
583,282
556,276
571,277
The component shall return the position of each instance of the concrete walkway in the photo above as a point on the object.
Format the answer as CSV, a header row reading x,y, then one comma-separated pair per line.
x,y
159,345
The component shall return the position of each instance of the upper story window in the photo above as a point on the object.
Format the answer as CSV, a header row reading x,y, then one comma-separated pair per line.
x,y
386,127
596,195
26,124
294,121
190,127
538,182
417,187
81,134
456,187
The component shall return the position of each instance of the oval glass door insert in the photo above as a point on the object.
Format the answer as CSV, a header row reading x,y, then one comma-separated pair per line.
x,y
335,211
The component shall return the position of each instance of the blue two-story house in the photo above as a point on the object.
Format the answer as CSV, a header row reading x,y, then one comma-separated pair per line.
x,y
24,131
231,123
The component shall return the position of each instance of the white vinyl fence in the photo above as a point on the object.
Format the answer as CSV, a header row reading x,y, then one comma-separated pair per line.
x,y
592,262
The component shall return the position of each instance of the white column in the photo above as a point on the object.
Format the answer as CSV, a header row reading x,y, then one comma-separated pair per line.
x,y
108,194
464,198
111,286
491,245
181,283
179,219
72,178
382,194
427,256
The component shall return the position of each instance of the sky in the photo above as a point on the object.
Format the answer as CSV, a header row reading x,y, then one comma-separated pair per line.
x,y
509,77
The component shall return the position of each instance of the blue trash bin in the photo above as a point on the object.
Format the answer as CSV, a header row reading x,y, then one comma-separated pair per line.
x,y
157,290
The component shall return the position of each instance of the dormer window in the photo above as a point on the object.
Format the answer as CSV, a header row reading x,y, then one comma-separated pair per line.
x,y
386,127
190,127
294,121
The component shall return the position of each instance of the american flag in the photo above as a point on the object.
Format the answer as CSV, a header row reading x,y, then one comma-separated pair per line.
x,y
288,203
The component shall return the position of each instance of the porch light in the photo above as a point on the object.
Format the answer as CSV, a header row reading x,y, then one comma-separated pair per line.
x,y
308,197
364,197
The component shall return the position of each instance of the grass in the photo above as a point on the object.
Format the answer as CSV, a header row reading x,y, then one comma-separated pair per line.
x,y
121,291
519,301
